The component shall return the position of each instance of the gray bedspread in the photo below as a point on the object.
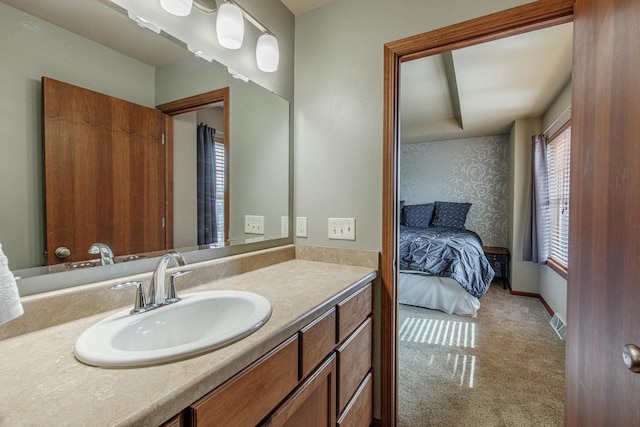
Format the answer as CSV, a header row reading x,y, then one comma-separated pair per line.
x,y
447,252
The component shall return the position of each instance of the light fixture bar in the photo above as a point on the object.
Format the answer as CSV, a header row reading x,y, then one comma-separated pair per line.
x,y
251,19
207,6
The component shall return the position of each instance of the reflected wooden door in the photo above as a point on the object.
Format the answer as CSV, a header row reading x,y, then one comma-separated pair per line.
x,y
105,173
604,268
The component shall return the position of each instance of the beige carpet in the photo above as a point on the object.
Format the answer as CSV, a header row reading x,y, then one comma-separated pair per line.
x,y
502,368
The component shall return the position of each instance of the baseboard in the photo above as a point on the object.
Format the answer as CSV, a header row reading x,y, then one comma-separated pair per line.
x,y
376,423
534,295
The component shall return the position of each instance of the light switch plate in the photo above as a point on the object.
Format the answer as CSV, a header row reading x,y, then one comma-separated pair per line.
x,y
301,226
284,226
342,228
253,224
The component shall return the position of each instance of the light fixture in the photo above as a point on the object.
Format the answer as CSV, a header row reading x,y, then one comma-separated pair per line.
x,y
230,26
267,53
177,7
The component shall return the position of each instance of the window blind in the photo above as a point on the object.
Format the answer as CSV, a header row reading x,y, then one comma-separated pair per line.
x,y
558,155
220,186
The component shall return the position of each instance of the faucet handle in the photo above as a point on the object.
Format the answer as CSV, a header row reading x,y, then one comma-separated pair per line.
x,y
171,292
140,304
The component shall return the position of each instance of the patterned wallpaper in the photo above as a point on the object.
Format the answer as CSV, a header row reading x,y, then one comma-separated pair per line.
x,y
474,170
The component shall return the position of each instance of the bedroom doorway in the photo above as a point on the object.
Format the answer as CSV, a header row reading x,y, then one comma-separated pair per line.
x,y
439,42
457,187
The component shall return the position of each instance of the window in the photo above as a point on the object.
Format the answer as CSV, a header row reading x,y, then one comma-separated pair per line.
x,y
558,154
220,187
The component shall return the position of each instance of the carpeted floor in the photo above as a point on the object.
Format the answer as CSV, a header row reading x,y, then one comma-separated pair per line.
x,y
503,368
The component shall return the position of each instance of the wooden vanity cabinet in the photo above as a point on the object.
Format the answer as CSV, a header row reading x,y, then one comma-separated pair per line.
x,y
321,376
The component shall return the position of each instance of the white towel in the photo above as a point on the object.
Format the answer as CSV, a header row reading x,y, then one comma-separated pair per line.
x,y
10,306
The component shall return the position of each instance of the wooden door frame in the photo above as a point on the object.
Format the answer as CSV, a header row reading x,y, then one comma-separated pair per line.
x,y
525,18
194,103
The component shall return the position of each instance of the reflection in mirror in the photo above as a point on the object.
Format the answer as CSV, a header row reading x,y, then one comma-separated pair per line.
x,y
258,133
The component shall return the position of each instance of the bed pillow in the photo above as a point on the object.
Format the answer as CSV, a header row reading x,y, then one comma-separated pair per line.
x,y
402,202
418,215
450,214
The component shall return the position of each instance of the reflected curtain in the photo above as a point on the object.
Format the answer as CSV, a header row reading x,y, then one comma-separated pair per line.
x,y
537,229
206,183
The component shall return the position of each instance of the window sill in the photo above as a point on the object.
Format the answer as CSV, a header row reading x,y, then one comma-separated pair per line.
x,y
555,266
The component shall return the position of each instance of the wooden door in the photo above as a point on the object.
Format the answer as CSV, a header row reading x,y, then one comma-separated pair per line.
x,y
604,264
105,173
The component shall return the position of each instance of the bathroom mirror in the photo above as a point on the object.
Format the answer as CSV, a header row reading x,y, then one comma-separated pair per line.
x,y
259,127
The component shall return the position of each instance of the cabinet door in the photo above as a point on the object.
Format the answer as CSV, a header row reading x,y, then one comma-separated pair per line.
x,y
353,311
359,412
248,397
354,362
313,404
317,340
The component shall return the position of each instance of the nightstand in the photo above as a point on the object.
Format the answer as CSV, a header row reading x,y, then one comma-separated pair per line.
x,y
499,259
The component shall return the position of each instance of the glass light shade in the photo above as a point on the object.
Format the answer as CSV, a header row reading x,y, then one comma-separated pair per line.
x,y
177,7
230,26
267,53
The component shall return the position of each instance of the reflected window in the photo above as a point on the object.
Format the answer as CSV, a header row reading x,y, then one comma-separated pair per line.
x,y
220,187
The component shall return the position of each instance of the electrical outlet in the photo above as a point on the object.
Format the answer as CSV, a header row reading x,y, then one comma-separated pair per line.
x,y
254,224
284,226
342,228
301,226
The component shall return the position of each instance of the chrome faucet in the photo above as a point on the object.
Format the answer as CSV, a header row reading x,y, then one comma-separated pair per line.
x,y
106,254
156,293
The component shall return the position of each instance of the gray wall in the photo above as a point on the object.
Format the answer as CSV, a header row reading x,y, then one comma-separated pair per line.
x,y
338,105
185,197
474,170
258,141
30,49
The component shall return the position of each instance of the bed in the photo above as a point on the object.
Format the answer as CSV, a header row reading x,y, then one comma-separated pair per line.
x,y
442,265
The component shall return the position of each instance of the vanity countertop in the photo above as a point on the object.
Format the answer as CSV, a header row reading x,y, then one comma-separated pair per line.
x,y
43,384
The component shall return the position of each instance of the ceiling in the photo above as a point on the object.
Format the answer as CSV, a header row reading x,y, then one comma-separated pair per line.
x,y
481,90
302,6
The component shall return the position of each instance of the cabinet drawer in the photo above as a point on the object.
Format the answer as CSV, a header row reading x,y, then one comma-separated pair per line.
x,y
248,397
353,310
317,340
354,362
359,412
313,403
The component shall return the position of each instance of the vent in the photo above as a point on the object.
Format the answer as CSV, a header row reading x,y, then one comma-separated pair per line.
x,y
558,325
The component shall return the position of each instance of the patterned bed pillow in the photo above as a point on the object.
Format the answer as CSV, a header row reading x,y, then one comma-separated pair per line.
x,y
450,214
418,215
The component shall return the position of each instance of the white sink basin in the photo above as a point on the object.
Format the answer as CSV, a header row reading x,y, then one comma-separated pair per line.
x,y
201,322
